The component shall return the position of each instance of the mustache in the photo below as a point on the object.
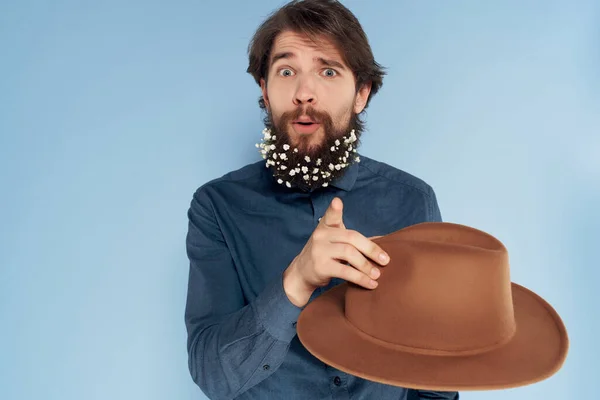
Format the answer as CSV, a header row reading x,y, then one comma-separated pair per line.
x,y
318,116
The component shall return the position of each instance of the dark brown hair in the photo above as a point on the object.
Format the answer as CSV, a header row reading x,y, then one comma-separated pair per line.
x,y
315,18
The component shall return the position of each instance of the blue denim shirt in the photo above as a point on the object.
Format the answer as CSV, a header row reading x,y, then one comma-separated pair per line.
x,y
244,231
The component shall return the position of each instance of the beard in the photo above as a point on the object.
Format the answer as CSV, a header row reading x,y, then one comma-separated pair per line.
x,y
304,166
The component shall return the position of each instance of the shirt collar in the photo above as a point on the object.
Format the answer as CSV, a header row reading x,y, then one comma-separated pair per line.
x,y
346,182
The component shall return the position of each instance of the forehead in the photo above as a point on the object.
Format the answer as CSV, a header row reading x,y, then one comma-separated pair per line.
x,y
300,44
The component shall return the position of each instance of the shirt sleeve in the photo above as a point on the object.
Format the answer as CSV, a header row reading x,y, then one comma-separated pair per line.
x,y
433,210
232,344
429,395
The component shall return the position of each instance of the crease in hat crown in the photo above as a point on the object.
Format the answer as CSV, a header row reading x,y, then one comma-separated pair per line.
x,y
471,311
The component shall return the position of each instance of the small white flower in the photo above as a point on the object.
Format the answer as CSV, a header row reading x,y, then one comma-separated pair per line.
x,y
325,184
315,178
283,156
331,167
283,167
295,150
288,184
350,148
306,177
332,148
344,159
286,147
316,170
337,142
292,172
297,169
318,161
337,167
275,156
305,169
272,147
357,159
274,137
307,159
280,181
257,145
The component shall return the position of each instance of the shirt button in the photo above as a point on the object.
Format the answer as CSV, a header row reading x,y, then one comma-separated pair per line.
x,y
266,367
337,381
320,218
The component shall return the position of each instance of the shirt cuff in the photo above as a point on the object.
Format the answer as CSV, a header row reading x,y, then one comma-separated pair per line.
x,y
276,312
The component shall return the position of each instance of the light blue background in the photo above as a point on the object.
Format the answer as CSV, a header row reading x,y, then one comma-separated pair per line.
x,y
112,113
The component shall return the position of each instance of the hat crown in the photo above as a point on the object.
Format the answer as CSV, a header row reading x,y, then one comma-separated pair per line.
x,y
446,291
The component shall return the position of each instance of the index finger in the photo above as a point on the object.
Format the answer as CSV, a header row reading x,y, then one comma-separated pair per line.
x,y
364,245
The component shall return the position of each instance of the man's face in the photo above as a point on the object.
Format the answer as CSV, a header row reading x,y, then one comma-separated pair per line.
x,y
312,107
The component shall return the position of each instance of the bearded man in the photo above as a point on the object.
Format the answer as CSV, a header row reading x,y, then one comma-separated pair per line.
x,y
266,239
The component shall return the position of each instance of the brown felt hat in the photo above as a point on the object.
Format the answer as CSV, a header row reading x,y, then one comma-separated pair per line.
x,y
445,316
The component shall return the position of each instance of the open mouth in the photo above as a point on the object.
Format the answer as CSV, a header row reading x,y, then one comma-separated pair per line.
x,y
306,126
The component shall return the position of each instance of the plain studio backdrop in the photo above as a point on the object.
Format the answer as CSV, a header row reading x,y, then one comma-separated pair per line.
x,y
113,113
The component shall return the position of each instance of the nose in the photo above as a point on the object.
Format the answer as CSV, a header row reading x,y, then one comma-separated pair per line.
x,y
305,93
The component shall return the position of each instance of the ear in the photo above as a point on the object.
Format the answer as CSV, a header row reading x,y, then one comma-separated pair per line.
x,y
361,97
263,88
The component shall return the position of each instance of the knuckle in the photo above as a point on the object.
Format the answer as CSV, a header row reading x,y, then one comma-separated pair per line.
x,y
348,251
351,235
341,271
364,279
319,234
357,277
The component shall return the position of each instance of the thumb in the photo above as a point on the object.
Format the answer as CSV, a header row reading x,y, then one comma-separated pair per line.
x,y
334,215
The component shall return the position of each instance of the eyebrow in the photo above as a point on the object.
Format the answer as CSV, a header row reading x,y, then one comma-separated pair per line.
x,y
323,61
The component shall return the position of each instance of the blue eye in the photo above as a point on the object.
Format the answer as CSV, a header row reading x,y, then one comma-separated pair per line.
x,y
330,72
286,72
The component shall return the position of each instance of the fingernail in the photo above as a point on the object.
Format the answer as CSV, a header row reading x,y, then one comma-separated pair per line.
x,y
374,283
383,257
375,273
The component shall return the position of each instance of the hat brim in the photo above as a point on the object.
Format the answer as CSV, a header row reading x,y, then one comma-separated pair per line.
x,y
537,350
